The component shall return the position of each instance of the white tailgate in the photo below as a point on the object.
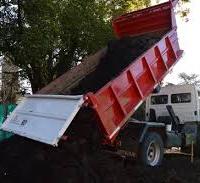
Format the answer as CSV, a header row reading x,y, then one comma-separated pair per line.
x,y
43,118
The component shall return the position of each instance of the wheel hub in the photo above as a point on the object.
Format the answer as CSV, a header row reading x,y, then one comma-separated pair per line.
x,y
153,153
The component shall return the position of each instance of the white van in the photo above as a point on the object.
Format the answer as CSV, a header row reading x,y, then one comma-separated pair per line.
x,y
185,100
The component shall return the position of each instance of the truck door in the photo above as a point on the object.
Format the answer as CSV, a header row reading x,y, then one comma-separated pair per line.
x,y
185,106
158,104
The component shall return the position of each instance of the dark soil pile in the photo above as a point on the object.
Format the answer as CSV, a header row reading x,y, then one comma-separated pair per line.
x,y
25,161
119,55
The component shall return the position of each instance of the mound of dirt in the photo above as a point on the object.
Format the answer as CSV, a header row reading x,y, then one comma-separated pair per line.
x,y
26,161
120,54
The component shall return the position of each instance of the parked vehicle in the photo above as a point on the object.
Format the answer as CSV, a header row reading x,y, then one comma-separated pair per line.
x,y
184,100
96,99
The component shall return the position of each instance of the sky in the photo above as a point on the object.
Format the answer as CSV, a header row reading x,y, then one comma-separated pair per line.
x,y
189,39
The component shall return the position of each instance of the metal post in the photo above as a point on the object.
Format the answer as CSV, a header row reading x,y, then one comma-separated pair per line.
x,y
192,152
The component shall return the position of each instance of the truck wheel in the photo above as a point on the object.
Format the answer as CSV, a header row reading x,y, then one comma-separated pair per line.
x,y
152,149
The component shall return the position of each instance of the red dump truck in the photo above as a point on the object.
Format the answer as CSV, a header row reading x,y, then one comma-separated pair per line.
x,y
96,99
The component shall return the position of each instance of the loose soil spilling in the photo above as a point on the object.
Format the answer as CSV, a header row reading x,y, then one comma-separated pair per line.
x,y
119,55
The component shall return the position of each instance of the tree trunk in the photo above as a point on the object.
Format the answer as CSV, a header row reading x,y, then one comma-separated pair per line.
x,y
36,80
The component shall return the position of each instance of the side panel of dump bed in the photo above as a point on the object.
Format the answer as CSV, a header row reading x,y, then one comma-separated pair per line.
x,y
116,102
44,118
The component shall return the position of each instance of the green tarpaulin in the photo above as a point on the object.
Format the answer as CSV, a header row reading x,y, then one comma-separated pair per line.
x,y
10,108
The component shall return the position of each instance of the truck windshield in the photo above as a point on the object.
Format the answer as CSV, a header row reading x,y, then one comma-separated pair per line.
x,y
159,99
181,98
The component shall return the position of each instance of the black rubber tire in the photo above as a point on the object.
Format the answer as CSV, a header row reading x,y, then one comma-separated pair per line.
x,y
152,139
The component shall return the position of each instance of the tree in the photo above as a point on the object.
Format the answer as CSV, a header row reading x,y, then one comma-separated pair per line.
x,y
29,34
189,79
45,38
9,87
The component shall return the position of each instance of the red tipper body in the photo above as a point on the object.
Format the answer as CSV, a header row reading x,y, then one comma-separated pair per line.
x,y
116,102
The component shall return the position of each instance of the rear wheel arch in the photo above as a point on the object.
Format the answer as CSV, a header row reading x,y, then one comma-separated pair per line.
x,y
159,130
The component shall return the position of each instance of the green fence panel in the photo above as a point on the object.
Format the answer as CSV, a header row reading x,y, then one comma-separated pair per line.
x,y
4,135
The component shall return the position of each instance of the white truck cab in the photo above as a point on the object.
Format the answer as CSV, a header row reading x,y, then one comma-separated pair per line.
x,y
185,100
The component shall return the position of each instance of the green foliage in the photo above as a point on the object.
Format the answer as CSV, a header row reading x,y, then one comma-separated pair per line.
x,y
29,37
183,10
189,79
185,1
45,38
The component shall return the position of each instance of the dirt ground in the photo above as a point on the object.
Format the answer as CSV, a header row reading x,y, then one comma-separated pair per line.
x,y
26,161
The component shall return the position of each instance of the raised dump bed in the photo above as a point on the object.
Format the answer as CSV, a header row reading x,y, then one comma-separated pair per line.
x,y
113,82
94,74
